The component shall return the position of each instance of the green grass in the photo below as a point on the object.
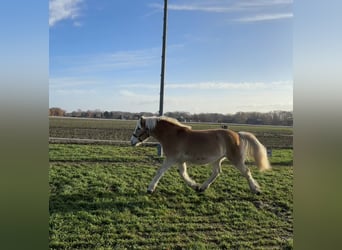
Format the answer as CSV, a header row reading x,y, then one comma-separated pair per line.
x,y
98,200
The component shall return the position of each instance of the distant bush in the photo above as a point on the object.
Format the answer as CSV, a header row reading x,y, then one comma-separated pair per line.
x,y
277,117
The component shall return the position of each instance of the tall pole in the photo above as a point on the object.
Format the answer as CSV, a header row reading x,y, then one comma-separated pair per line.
x,y
162,74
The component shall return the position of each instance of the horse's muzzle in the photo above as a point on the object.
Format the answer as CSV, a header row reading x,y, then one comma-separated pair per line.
x,y
134,141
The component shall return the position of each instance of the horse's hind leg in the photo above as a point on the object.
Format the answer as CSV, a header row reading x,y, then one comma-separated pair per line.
x,y
184,174
253,184
166,165
216,171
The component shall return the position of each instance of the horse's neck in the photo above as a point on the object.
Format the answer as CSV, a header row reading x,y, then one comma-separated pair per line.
x,y
163,131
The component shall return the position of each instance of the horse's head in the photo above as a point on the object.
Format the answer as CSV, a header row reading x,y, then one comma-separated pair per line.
x,y
141,132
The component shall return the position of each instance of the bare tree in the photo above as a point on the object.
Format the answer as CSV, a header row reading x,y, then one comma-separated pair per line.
x,y
55,111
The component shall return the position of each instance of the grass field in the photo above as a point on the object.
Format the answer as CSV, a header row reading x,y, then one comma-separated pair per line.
x,y
98,200
98,197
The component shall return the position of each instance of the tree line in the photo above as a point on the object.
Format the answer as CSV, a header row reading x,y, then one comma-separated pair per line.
x,y
277,117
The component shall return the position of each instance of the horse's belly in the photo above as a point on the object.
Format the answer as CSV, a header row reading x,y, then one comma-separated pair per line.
x,y
201,158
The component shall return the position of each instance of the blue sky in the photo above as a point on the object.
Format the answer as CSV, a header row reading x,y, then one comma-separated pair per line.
x,y
222,56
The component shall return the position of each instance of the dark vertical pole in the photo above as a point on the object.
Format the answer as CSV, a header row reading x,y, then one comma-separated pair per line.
x,y
162,74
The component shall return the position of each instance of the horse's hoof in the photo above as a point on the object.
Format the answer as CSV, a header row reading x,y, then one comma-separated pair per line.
x,y
150,191
199,189
257,192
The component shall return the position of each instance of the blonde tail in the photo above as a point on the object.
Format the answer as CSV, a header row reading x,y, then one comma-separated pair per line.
x,y
250,145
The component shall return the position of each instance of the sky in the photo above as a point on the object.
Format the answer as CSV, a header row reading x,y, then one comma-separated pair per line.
x,y
222,56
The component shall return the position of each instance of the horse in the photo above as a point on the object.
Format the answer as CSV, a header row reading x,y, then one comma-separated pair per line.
x,y
182,145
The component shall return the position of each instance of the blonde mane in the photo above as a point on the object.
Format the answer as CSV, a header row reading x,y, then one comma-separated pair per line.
x,y
151,122
174,121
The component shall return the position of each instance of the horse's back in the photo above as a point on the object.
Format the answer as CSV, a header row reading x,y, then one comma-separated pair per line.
x,y
214,136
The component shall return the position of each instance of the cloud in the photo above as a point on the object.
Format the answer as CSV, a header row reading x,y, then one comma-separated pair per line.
x,y
127,93
218,97
267,106
64,9
264,17
223,6
70,86
76,92
67,82
246,10
218,85
228,103
138,99
195,7
263,3
107,62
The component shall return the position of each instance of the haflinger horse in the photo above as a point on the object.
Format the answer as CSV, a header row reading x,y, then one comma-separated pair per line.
x,y
182,145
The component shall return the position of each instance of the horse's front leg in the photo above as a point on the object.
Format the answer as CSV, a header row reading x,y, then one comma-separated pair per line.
x,y
166,165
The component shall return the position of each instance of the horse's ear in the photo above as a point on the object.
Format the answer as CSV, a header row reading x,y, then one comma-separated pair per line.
x,y
142,121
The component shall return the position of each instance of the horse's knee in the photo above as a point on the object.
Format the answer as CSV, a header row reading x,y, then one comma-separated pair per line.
x,y
243,169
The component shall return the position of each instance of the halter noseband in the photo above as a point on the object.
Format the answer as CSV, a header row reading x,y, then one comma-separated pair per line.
x,y
134,135
147,132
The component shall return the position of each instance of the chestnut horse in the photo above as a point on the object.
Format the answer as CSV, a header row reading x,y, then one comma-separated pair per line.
x,y
183,145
